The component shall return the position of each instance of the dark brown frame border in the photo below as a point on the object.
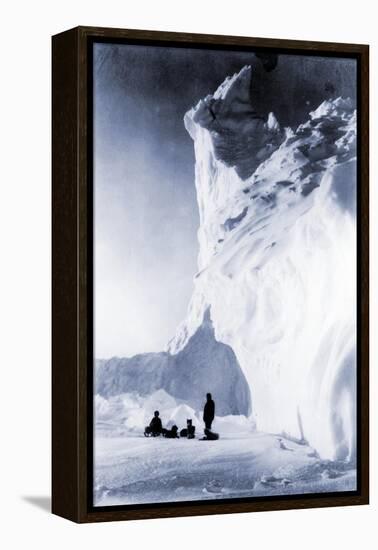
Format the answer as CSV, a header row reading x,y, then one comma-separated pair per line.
x,y
71,287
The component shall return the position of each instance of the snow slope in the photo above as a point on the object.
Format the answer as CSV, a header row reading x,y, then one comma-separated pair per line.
x,y
137,470
130,468
277,259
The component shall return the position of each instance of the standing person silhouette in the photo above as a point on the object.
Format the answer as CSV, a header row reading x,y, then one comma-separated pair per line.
x,y
208,411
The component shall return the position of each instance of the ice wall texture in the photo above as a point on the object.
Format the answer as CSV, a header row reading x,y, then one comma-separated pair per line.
x,y
277,259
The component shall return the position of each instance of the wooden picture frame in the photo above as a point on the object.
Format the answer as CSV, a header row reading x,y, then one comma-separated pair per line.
x,y
72,272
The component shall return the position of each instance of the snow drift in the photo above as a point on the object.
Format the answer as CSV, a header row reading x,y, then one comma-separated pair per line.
x,y
277,260
127,414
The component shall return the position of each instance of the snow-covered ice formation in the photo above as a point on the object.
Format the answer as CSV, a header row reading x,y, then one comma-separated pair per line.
x,y
277,260
202,365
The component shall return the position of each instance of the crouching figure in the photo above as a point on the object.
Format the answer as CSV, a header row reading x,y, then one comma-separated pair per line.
x,y
155,427
170,434
189,431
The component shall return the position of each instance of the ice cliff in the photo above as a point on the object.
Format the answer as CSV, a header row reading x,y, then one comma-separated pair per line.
x,y
277,260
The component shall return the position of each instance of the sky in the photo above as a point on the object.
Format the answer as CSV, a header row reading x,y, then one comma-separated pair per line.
x,y
145,209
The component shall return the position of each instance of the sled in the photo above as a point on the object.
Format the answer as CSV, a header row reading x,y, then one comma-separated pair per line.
x,y
149,433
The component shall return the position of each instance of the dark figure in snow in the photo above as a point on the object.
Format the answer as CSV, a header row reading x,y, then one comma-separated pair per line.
x,y
155,428
172,433
210,436
189,431
208,411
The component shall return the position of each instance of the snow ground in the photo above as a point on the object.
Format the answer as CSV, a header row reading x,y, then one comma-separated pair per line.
x,y
132,469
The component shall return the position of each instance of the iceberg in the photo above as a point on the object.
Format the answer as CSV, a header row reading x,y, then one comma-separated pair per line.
x,y
277,260
202,365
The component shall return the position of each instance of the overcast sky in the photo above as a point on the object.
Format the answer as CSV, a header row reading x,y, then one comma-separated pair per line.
x,y
145,215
